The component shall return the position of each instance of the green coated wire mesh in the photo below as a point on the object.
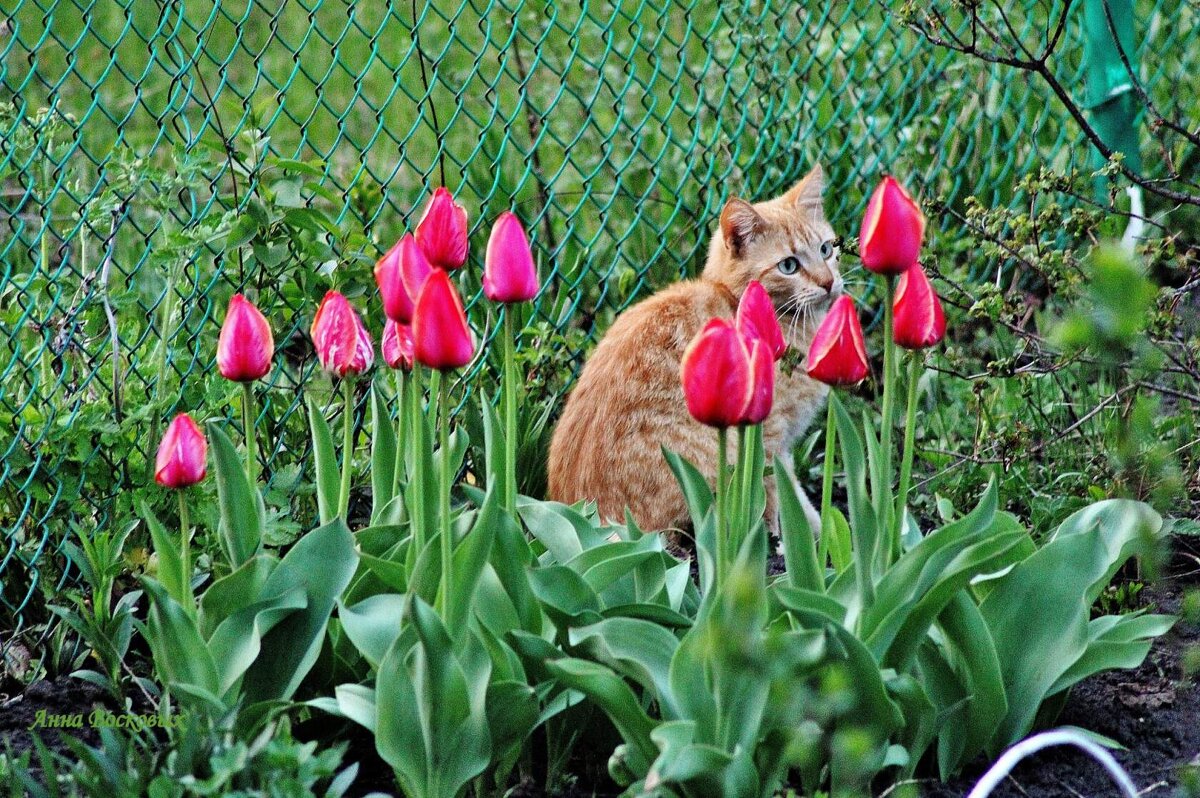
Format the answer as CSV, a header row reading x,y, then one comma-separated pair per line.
x,y
157,156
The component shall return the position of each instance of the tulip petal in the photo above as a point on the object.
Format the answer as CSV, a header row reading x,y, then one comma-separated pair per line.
x,y
757,320
442,232
838,353
919,319
441,337
716,377
245,345
509,273
182,458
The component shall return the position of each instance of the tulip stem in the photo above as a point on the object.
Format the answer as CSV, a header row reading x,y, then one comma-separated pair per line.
x,y
910,423
401,426
249,429
883,502
722,500
827,530
347,447
510,414
417,437
444,497
740,524
185,558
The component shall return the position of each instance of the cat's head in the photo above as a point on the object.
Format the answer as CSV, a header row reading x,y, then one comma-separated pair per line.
x,y
786,244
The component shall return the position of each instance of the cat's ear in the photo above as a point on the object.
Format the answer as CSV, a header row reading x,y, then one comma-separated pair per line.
x,y
739,224
810,190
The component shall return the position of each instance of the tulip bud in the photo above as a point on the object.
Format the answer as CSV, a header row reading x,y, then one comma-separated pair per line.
x,y
919,320
509,274
341,340
716,376
182,455
397,345
442,231
441,338
245,345
892,229
762,393
838,355
756,319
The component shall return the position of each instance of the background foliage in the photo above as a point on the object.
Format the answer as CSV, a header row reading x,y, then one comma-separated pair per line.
x,y
157,157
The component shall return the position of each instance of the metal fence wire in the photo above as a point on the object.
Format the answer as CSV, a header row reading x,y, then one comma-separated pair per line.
x,y
157,156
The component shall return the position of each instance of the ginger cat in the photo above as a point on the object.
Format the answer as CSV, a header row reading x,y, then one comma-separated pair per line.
x,y
629,401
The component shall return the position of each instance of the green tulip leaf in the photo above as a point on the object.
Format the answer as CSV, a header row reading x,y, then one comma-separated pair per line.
x,y
610,692
637,649
384,456
696,490
242,514
180,654
170,559
565,596
373,625
322,563
1038,612
236,643
328,476
799,546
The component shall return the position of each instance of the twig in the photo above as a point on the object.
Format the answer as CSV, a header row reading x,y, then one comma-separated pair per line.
x,y
427,99
534,123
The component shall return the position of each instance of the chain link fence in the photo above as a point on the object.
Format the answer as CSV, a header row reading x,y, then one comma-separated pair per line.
x,y
157,156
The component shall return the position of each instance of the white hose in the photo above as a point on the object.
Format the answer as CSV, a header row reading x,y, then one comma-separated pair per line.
x,y
1137,220
1009,759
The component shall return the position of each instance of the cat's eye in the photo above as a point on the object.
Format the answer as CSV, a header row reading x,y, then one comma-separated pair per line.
x,y
789,265
826,250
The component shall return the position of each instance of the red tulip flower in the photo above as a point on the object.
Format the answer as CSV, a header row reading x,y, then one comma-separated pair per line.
x,y
762,392
509,274
717,380
919,320
341,340
441,338
245,345
442,231
838,355
182,455
756,319
397,345
892,230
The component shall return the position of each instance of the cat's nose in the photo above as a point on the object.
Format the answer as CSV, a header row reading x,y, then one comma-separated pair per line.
x,y
836,288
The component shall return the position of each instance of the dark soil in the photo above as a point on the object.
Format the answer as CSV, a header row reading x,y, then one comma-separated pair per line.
x,y
1153,711
62,697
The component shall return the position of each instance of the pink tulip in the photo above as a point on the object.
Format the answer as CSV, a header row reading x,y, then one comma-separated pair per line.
x,y
182,454
397,345
397,302
919,320
892,230
762,394
509,274
716,374
341,340
756,319
441,338
838,355
245,345
442,231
